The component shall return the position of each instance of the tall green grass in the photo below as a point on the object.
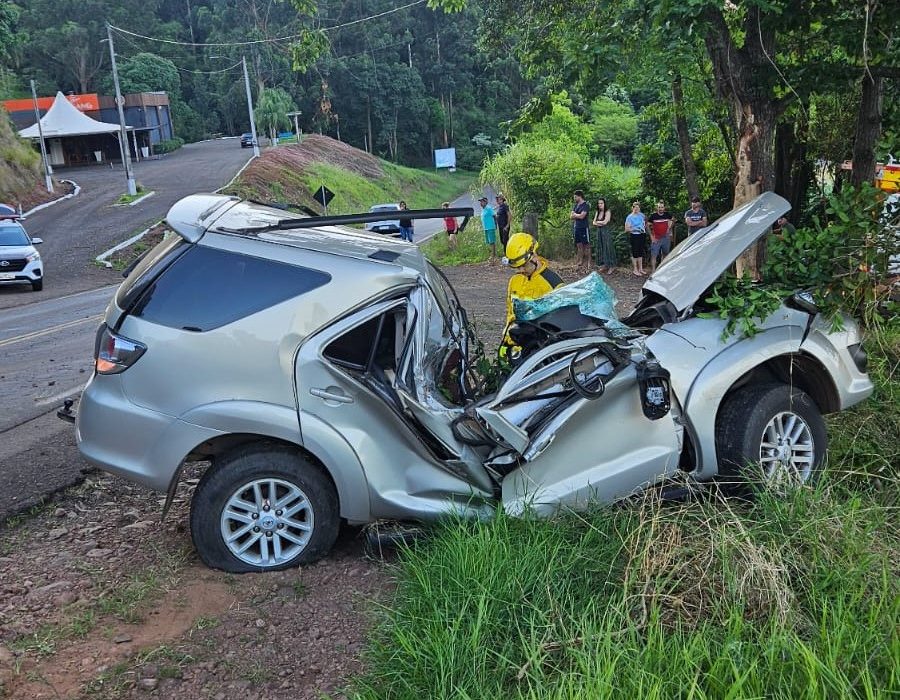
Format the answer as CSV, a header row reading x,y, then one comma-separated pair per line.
x,y
470,247
793,597
865,441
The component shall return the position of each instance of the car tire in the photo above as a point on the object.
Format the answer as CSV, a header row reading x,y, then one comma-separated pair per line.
x,y
769,436
37,285
263,507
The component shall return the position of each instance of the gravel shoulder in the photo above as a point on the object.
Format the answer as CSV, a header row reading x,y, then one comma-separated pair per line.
x,y
100,599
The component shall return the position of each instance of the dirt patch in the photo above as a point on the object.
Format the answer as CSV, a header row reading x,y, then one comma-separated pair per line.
x,y
39,195
77,663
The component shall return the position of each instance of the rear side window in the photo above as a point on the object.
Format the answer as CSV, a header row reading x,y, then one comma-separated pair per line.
x,y
207,288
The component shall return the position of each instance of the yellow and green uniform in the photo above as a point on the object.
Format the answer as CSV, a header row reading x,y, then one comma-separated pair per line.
x,y
521,286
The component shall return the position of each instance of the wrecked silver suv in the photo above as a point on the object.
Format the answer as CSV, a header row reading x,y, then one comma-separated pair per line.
x,y
326,374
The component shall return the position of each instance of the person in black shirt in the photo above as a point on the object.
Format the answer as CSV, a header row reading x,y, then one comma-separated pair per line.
x,y
695,217
406,225
579,217
504,220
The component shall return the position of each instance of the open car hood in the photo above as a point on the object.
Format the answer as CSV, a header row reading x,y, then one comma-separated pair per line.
x,y
697,262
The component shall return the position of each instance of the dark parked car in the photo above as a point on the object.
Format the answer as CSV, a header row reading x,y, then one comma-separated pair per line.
x,y
247,140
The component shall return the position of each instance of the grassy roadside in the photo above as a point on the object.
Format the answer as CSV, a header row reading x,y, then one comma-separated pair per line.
x,y
793,596
419,188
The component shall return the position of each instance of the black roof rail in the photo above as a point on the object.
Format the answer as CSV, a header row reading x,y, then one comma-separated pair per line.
x,y
370,217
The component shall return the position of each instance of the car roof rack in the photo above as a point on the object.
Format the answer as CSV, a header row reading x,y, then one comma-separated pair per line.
x,y
371,217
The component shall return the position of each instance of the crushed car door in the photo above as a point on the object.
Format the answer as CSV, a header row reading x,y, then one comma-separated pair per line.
x,y
346,377
427,373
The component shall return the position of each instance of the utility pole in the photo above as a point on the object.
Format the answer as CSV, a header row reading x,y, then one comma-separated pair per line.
x,y
37,115
409,51
250,108
120,102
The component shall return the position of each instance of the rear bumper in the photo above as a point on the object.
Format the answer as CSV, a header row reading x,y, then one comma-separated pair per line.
x,y
134,442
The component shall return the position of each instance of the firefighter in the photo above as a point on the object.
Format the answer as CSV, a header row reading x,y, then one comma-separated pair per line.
x,y
532,280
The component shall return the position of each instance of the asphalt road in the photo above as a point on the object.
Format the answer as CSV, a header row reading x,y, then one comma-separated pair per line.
x,y
77,230
47,338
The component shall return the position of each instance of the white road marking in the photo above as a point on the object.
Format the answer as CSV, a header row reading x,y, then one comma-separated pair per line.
x,y
51,329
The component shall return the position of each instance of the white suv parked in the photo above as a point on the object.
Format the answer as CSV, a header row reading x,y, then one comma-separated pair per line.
x,y
19,260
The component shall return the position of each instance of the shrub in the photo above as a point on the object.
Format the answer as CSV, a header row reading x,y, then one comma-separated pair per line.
x,y
168,146
540,176
844,260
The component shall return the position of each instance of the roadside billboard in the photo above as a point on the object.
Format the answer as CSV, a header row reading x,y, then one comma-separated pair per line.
x,y
445,158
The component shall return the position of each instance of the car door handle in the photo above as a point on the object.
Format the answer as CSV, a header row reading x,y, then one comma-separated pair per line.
x,y
332,393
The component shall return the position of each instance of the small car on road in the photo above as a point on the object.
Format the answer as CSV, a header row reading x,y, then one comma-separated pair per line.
x,y
247,140
20,261
328,374
388,226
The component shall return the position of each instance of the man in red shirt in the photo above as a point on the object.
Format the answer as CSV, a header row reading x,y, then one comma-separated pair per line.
x,y
450,227
661,223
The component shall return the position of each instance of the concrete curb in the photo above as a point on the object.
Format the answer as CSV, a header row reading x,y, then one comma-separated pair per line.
x,y
102,258
73,193
136,201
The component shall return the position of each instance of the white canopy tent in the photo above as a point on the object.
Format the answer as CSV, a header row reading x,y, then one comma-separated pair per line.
x,y
64,120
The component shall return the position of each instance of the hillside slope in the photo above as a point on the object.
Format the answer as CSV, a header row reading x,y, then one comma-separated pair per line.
x,y
19,164
292,173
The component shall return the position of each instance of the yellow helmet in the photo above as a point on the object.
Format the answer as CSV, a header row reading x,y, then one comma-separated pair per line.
x,y
520,248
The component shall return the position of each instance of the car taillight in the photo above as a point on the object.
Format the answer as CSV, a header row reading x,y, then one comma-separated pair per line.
x,y
115,353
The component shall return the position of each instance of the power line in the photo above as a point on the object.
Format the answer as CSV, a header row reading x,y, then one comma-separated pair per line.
x,y
140,49
275,40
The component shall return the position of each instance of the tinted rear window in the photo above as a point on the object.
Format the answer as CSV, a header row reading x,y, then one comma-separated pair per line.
x,y
207,288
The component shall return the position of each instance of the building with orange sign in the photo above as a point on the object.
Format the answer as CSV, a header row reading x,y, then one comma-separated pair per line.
x,y
147,115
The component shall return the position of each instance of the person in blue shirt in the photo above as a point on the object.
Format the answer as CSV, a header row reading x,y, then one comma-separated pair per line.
x,y
636,227
489,224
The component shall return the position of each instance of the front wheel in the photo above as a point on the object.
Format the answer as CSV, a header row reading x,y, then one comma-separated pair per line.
x,y
770,435
263,508
37,285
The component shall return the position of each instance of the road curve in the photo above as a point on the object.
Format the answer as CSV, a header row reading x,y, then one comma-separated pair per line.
x,y
76,230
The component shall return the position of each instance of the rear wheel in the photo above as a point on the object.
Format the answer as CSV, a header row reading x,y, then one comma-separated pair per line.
x,y
262,508
770,436
37,285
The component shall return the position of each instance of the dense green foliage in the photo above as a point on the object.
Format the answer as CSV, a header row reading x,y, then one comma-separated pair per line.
x,y
400,84
843,259
169,145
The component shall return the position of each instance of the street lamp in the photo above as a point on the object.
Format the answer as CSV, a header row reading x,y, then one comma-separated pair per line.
x,y
37,115
123,132
296,127
250,108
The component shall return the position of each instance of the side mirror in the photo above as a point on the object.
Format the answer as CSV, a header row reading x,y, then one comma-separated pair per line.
x,y
37,241
802,301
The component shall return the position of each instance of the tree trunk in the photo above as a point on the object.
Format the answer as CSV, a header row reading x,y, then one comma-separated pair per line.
x,y
868,130
741,76
684,140
793,171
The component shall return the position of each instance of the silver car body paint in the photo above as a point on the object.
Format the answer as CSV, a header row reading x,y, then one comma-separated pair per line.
x,y
389,438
